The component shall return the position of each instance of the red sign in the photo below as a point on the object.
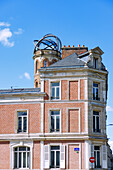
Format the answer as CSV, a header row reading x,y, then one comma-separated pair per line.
x,y
92,159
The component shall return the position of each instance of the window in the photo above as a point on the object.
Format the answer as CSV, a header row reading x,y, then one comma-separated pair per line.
x,y
37,66
97,156
55,90
55,121
21,157
95,63
22,121
45,63
55,157
96,91
96,121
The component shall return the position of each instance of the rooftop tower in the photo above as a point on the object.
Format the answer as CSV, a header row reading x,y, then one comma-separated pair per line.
x,y
47,51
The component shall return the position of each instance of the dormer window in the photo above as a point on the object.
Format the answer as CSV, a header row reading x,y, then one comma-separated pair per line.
x,y
95,63
45,63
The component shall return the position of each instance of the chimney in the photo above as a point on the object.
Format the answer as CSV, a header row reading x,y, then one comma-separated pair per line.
x,y
66,51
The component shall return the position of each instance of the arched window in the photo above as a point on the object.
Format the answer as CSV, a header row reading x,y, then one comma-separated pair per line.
x,y
22,157
36,65
45,63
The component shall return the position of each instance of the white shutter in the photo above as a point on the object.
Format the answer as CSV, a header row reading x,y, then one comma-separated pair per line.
x,y
92,154
62,156
104,156
46,156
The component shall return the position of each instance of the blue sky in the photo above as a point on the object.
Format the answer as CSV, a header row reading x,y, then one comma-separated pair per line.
x,y
74,22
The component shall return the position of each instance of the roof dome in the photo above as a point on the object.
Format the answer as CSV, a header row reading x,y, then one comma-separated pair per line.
x,y
49,41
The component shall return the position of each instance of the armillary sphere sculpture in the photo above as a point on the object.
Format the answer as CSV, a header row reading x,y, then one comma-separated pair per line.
x,y
49,41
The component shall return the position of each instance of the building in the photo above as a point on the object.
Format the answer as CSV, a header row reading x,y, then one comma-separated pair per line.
x,y
61,122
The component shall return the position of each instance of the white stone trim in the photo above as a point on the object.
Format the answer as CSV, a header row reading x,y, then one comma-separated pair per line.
x,y
53,81
74,108
49,119
41,155
86,89
86,154
42,85
16,114
79,154
79,92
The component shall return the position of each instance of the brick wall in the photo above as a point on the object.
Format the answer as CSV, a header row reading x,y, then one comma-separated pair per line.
x,y
36,155
73,90
66,51
4,155
63,107
8,118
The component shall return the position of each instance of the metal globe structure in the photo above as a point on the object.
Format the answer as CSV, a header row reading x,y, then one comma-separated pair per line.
x,y
49,41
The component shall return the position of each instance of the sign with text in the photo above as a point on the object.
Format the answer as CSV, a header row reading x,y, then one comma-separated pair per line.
x,y
92,159
76,149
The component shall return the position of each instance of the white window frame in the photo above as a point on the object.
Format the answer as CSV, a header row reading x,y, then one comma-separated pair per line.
x,y
49,122
55,155
95,63
50,85
95,117
94,97
26,153
96,155
15,144
21,110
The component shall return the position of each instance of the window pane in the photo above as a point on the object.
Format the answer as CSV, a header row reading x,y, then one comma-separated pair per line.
x,y
24,159
28,160
55,84
55,112
57,123
97,93
15,160
52,123
57,92
95,85
52,159
25,124
98,159
95,113
94,123
22,113
53,93
45,63
20,124
57,159
22,148
20,160
55,147
96,148
97,123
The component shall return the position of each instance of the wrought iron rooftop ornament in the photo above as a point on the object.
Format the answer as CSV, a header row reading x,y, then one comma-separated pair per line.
x,y
49,41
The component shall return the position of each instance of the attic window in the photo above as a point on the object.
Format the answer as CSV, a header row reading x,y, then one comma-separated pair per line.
x,y
95,63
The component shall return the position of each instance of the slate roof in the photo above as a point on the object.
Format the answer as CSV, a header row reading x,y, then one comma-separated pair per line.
x,y
71,60
20,91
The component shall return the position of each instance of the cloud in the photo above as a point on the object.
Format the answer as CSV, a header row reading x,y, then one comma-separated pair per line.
x,y
19,31
109,109
26,75
4,24
111,144
4,35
